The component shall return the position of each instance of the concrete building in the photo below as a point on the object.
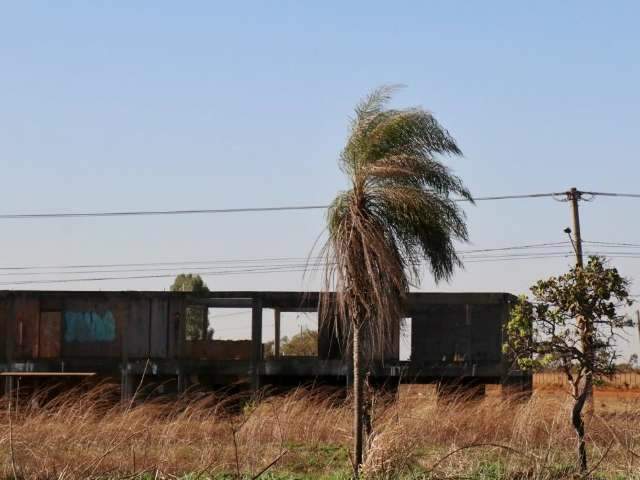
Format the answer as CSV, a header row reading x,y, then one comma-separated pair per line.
x,y
455,337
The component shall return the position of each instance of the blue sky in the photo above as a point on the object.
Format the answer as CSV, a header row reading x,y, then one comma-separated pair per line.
x,y
163,105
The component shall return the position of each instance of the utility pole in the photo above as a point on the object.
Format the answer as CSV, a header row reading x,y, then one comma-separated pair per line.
x,y
574,196
638,322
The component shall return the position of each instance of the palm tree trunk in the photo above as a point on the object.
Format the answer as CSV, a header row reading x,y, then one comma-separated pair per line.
x,y
357,398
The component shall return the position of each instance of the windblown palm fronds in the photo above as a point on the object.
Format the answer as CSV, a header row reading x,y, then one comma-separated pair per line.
x,y
397,216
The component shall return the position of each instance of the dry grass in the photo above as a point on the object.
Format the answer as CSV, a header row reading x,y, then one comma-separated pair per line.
x,y
83,435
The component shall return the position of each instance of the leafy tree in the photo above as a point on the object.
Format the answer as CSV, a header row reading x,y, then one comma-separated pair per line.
x,y
573,322
396,215
189,282
303,344
195,316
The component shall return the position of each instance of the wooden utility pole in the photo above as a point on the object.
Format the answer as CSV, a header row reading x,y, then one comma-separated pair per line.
x,y
638,322
574,196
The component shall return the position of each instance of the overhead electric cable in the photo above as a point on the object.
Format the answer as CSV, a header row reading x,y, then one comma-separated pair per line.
x,y
186,264
267,269
613,244
200,211
613,194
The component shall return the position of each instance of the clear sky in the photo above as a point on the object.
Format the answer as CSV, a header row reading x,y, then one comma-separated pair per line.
x,y
171,105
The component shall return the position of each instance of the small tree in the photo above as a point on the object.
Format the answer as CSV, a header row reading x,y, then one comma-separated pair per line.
x,y
572,322
303,344
195,317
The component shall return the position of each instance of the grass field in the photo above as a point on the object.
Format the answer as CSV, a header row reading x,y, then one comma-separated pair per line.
x,y
306,434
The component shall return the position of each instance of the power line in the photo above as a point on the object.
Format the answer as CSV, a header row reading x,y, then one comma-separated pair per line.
x,y
209,211
613,194
316,263
313,265
269,269
186,264
613,244
149,264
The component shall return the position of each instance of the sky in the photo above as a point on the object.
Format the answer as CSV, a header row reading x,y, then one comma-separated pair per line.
x,y
172,105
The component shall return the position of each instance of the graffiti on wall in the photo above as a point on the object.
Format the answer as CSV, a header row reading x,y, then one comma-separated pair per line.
x,y
89,326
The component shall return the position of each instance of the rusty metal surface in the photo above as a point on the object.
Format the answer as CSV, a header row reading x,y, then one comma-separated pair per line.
x,y
92,326
27,316
50,334
218,349
158,340
138,323
4,320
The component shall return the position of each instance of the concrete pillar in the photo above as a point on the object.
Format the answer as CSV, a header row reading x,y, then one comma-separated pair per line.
x,y
7,385
276,342
183,381
256,343
126,384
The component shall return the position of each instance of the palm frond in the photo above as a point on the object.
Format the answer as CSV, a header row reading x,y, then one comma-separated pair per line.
x,y
398,216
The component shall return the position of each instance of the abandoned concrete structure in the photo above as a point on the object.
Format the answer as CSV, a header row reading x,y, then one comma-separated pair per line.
x,y
454,337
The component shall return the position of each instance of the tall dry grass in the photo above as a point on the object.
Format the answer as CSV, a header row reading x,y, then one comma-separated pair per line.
x,y
89,434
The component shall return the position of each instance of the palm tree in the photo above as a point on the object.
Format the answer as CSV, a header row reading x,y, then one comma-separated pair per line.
x,y
397,215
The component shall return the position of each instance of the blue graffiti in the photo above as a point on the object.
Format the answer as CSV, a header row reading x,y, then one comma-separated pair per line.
x,y
89,327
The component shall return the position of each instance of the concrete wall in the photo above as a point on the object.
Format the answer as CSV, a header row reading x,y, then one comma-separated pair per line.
x,y
453,335
444,334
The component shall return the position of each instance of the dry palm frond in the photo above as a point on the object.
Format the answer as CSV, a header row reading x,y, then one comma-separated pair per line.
x,y
397,216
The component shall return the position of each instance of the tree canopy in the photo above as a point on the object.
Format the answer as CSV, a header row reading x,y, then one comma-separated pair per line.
x,y
303,344
189,282
196,321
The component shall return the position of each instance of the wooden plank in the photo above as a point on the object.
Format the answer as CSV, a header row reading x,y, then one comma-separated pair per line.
x,y
106,313
27,315
158,341
137,331
50,334
222,302
47,374
175,331
4,320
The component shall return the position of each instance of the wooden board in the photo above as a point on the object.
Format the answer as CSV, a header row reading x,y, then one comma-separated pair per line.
x,y
27,313
50,334
4,320
137,332
159,328
78,344
176,327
